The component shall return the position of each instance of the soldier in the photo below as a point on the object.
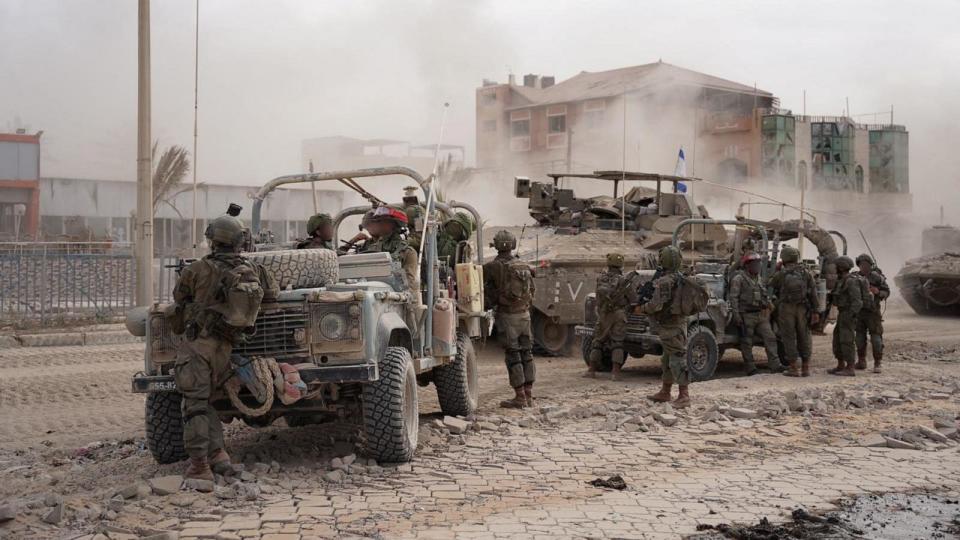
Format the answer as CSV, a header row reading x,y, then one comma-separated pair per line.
x,y
456,229
846,295
795,291
216,302
671,328
750,306
509,288
611,317
320,233
870,318
366,239
414,211
387,227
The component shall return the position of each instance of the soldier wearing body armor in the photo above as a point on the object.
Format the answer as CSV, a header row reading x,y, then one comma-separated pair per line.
x,y
319,232
509,288
216,303
795,291
671,328
456,229
414,211
611,329
750,307
870,319
387,227
848,297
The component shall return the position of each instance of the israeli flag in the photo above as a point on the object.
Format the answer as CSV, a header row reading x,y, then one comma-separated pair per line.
x,y
681,170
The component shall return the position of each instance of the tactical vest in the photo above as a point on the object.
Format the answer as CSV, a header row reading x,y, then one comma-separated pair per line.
x,y
610,295
751,292
793,290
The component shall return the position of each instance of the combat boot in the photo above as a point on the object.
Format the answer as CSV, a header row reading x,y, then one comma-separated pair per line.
x,y
849,370
615,372
199,468
683,400
220,463
877,360
519,401
836,370
793,370
862,359
805,368
528,393
663,395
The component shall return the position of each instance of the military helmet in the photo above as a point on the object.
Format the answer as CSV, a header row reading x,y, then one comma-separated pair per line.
x,y
317,221
863,257
844,263
459,226
615,260
225,230
748,244
670,258
790,254
505,241
367,218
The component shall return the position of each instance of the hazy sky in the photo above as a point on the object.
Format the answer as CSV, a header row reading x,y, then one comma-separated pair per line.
x,y
273,73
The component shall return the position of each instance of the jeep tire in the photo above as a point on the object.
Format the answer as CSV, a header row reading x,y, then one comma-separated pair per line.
x,y
164,426
391,411
702,353
458,382
299,268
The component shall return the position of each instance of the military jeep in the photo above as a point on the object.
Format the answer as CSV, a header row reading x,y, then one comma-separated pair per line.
x,y
353,330
709,333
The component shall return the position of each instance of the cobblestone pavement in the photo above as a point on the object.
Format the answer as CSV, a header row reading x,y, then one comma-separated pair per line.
x,y
749,448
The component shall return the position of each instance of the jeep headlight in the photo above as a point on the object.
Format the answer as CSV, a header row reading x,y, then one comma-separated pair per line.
x,y
333,326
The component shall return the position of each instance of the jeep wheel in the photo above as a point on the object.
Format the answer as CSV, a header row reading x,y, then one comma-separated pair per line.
x,y
552,338
458,382
299,268
702,353
391,413
164,425
606,362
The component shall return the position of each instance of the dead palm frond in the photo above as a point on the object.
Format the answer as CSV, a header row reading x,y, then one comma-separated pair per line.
x,y
168,174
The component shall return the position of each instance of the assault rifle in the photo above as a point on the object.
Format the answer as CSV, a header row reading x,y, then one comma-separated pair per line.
x,y
180,265
645,291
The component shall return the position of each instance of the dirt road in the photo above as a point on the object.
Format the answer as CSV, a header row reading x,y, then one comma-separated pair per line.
x,y
70,428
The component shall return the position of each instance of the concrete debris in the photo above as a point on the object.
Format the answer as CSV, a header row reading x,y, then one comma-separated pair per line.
x,y
527,422
336,476
859,402
746,414
890,394
165,485
7,512
631,428
932,434
338,464
667,419
455,425
902,445
873,441
487,426
950,432
203,486
939,395
55,515
943,422
52,499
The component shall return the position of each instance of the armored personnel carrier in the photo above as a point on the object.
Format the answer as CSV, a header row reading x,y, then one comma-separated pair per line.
x,y
569,243
931,283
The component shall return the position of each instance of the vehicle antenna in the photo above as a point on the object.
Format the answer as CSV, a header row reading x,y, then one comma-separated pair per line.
x,y
431,188
875,261
520,240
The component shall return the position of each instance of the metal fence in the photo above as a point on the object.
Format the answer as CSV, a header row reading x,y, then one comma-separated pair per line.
x,y
46,281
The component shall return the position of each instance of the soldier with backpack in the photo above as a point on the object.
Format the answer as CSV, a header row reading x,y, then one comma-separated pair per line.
x,y
870,319
847,295
675,297
795,291
509,288
611,329
216,303
751,306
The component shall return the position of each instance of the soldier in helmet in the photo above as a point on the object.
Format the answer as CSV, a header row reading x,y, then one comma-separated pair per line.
x,y
847,296
387,226
795,291
870,319
671,328
414,211
750,306
319,232
508,287
208,310
456,229
611,330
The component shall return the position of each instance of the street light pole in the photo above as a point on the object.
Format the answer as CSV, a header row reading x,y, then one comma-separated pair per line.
x,y
144,244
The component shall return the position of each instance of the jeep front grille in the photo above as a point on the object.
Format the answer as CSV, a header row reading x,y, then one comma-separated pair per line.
x,y
279,333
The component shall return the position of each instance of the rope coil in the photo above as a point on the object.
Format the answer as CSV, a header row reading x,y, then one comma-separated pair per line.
x,y
266,371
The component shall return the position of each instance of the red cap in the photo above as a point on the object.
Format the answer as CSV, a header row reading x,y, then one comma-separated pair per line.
x,y
749,256
386,212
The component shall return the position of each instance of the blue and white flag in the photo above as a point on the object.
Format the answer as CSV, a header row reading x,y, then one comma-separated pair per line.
x,y
681,170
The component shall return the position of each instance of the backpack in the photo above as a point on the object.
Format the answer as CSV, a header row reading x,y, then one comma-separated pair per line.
x,y
242,293
869,301
794,287
516,283
689,296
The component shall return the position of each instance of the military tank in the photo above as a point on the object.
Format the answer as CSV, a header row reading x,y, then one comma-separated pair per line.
x,y
931,283
572,235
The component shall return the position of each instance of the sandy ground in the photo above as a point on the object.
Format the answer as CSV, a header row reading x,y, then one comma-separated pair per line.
x,y
71,429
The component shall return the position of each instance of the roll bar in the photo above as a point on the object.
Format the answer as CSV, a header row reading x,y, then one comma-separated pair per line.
x,y
843,239
705,221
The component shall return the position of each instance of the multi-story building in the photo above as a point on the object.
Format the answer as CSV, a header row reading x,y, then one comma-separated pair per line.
x,y
19,185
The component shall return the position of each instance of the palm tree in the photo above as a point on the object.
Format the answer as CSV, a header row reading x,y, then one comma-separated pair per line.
x,y
168,174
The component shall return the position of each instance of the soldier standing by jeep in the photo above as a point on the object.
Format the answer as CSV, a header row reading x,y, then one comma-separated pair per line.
x,y
750,306
319,232
611,326
795,291
671,328
847,296
870,319
456,229
216,301
387,227
509,288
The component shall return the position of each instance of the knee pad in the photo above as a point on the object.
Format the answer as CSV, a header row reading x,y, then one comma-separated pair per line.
x,y
617,356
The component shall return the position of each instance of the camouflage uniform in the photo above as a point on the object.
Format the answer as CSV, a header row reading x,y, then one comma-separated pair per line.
x,y
314,241
455,230
848,299
870,318
512,320
392,242
750,304
611,329
203,359
670,327
795,291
